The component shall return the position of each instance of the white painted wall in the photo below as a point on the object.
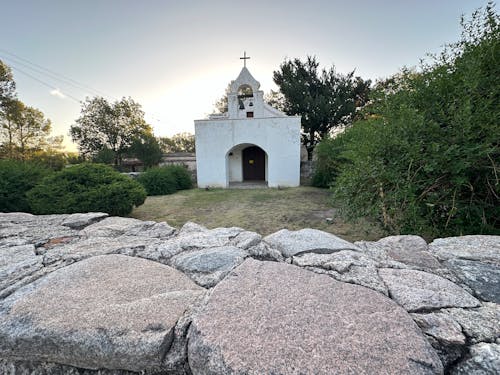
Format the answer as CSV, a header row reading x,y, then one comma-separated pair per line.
x,y
279,137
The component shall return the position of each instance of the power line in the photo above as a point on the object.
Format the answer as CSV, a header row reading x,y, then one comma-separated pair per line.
x,y
13,58
53,75
46,84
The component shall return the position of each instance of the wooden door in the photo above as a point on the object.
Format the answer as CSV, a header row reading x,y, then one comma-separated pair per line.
x,y
254,164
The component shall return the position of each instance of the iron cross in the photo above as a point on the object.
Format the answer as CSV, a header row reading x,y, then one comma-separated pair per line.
x,y
244,58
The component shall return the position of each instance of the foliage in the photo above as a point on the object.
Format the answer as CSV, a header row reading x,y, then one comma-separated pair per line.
x,y
104,156
425,158
221,104
7,84
108,125
165,180
16,179
23,130
147,149
86,187
181,142
158,181
328,160
325,100
182,177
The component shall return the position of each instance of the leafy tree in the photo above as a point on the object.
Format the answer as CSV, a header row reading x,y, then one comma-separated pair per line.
x,y
181,142
7,84
112,125
325,99
24,130
147,149
51,153
425,158
221,104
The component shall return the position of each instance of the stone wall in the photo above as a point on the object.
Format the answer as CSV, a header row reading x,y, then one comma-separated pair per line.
x,y
92,294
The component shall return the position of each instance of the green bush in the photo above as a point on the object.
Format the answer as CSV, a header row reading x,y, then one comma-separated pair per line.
x,y
16,179
182,177
426,158
86,187
165,180
158,181
329,160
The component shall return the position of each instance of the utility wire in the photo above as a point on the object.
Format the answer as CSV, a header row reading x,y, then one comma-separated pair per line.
x,y
46,84
13,58
14,64
52,74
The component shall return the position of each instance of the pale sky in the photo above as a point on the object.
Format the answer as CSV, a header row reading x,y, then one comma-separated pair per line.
x,y
176,57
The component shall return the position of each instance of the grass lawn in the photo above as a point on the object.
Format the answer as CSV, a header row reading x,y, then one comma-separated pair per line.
x,y
261,210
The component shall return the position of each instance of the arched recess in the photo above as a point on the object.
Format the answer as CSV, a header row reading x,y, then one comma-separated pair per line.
x,y
246,162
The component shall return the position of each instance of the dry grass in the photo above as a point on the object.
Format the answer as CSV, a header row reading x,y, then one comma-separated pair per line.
x,y
261,210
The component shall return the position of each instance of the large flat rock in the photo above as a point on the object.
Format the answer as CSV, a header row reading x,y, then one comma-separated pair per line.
x,y
109,311
276,318
478,247
422,291
291,243
208,266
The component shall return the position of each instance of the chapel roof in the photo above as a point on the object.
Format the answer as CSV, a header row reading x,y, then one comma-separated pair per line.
x,y
245,78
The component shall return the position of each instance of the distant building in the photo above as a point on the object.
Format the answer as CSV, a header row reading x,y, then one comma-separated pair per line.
x,y
251,142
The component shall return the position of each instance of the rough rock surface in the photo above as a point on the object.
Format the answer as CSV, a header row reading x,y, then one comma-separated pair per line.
x,y
208,266
479,324
421,291
58,291
291,243
291,321
482,278
480,248
110,311
444,334
484,359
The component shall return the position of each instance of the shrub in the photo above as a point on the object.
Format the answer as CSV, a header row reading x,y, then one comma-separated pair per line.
x,y
166,180
328,161
86,187
16,179
158,181
182,177
426,159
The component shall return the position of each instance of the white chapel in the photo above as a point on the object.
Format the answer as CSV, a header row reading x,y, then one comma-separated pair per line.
x,y
251,142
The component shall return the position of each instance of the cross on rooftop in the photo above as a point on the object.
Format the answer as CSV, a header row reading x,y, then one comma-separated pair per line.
x,y
244,58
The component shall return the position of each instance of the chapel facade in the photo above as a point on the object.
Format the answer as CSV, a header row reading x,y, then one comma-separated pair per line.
x,y
251,142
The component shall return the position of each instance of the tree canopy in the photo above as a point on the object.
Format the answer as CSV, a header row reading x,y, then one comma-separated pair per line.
x,y
325,99
23,129
181,142
109,125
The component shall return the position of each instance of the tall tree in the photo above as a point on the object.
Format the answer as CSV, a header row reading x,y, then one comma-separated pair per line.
x,y
325,99
7,84
181,142
147,149
108,125
24,130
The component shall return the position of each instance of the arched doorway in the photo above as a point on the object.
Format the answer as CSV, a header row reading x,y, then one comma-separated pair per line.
x,y
254,164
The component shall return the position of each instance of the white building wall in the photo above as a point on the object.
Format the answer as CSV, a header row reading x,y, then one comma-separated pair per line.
x,y
279,137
